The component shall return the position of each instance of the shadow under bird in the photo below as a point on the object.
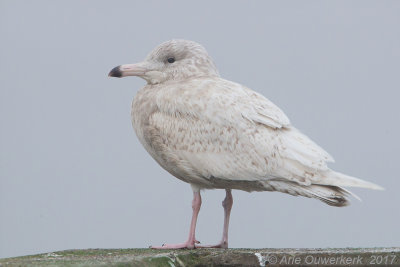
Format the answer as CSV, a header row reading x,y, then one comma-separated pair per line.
x,y
217,134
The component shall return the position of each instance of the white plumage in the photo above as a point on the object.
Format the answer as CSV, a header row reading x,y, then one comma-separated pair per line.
x,y
214,133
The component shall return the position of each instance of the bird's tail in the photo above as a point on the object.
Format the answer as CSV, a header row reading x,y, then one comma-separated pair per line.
x,y
331,195
340,179
329,189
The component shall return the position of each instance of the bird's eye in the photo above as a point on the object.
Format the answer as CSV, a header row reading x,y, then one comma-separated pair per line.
x,y
171,60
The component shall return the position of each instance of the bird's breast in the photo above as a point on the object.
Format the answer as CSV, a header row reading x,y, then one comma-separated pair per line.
x,y
143,106
151,135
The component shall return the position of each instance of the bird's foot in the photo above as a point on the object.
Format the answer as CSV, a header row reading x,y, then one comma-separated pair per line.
x,y
222,244
188,244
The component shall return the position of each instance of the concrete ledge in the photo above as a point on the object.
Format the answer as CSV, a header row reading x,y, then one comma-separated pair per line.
x,y
213,257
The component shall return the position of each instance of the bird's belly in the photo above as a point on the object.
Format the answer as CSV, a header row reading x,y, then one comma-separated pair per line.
x,y
153,140
168,159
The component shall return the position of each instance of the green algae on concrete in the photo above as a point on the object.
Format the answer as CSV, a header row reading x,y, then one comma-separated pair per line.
x,y
212,257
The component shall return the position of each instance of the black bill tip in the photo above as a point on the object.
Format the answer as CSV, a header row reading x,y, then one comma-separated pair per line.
x,y
115,72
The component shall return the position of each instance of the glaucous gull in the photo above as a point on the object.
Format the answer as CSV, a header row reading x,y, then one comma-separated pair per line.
x,y
217,134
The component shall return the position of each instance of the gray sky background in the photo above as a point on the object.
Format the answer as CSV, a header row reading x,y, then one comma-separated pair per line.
x,y
73,174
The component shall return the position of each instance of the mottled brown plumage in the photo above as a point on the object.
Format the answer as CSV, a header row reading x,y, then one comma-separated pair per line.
x,y
214,133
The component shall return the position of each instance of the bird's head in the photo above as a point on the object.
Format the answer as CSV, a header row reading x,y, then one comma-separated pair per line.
x,y
171,60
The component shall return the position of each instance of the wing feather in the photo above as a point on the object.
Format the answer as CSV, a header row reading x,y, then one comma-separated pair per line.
x,y
231,132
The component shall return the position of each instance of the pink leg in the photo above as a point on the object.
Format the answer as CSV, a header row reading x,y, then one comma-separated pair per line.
x,y
190,243
227,204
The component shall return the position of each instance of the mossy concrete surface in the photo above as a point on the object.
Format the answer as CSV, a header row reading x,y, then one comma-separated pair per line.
x,y
212,257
